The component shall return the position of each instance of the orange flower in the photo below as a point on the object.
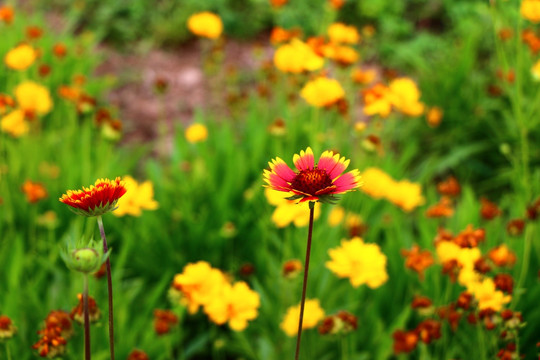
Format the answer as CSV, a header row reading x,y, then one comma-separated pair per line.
x,y
502,256
137,355
51,344
7,14
77,313
341,323
363,77
343,55
515,227
470,238
205,24
449,187
377,100
34,191
417,260
164,320
429,330
434,116
96,200
404,341
34,32
7,329
336,4
292,268
59,50
489,210
442,209
278,3
279,34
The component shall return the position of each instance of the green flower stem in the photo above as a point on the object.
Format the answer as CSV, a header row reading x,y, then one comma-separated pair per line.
x,y
304,284
86,319
8,352
109,287
525,264
344,348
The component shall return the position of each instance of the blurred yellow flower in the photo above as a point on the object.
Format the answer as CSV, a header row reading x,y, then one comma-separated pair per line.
x,y
313,313
377,100
14,123
199,284
405,96
362,263
236,304
205,24
288,211
33,98
322,92
340,33
488,296
20,57
137,198
336,216
297,57
196,133
530,10
466,258
405,194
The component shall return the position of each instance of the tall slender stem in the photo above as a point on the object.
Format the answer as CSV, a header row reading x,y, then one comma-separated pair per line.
x,y
304,284
109,287
86,319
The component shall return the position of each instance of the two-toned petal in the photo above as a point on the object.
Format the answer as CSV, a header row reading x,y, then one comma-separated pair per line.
x,y
304,161
334,165
348,181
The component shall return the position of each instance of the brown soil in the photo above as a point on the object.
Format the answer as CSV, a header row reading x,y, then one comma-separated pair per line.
x,y
141,108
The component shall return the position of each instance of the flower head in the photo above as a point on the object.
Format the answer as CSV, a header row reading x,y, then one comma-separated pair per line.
x,y
340,33
236,304
312,182
33,98
530,10
20,57
96,200
297,57
77,313
322,92
362,263
313,313
14,123
138,197
196,133
6,14
488,296
205,24
164,320
34,191
7,329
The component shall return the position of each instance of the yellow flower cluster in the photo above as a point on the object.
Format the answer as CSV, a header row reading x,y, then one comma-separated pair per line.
x,y
313,313
201,285
405,194
288,211
137,198
483,289
322,92
297,57
205,24
32,100
340,33
401,94
360,262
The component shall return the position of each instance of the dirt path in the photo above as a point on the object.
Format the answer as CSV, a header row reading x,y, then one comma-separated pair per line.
x,y
134,95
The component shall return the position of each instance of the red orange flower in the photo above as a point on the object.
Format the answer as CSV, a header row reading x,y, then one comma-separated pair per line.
x,y
34,191
96,200
7,329
77,313
164,320
312,182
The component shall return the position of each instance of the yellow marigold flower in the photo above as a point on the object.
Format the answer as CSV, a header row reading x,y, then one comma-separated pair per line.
x,y
336,216
405,96
377,100
343,34
14,123
33,98
205,24
137,198
20,57
297,57
488,296
362,263
407,195
530,10
322,92
199,284
376,182
288,211
236,304
196,133
313,313
434,116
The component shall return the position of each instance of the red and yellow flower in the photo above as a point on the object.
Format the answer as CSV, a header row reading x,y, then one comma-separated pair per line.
x,y
96,200
312,182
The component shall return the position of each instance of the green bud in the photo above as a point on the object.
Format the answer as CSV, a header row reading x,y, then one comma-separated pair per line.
x,y
86,258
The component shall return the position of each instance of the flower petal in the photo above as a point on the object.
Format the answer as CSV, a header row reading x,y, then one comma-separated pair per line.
x,y
304,161
281,169
347,182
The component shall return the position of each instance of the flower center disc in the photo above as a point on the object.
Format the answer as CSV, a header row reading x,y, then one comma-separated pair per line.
x,y
311,181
